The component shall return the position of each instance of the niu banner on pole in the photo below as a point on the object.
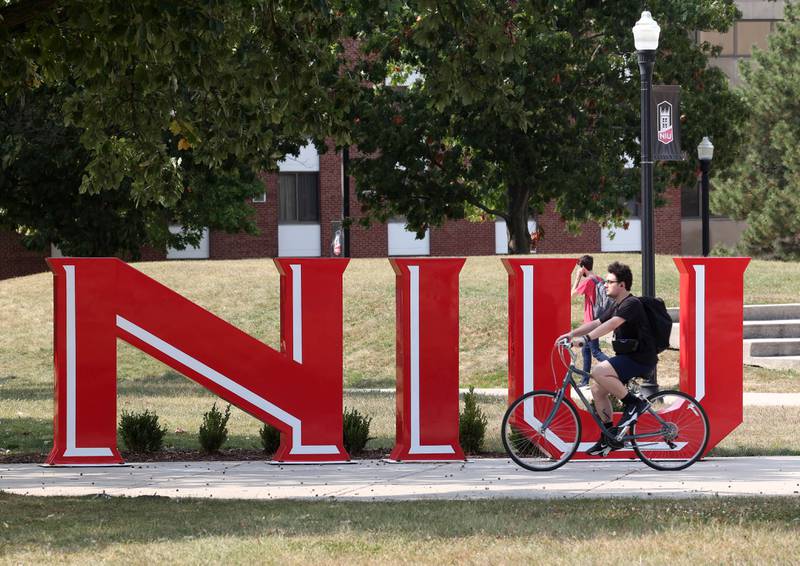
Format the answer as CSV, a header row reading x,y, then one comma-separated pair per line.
x,y
666,109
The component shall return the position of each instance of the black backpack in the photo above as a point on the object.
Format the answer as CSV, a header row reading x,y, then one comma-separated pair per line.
x,y
660,321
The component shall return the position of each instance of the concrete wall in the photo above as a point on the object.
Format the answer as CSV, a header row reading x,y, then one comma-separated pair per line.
x,y
722,231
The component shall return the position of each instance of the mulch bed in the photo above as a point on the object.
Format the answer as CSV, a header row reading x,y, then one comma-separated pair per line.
x,y
230,455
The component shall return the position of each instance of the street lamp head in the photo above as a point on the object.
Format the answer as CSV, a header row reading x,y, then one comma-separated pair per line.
x,y
645,33
705,150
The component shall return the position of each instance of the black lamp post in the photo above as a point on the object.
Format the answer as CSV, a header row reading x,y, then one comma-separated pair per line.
x,y
705,153
645,36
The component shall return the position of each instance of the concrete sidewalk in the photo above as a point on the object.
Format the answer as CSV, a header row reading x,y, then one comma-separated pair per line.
x,y
772,399
378,480
750,399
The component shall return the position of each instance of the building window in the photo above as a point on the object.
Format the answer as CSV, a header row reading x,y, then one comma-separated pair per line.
x,y
634,207
690,201
724,40
404,242
299,197
749,34
739,40
260,198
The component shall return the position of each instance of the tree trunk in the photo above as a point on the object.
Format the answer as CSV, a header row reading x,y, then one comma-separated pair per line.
x,y
519,239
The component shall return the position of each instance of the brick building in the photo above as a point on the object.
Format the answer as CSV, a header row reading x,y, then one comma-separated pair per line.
x,y
759,19
302,202
298,213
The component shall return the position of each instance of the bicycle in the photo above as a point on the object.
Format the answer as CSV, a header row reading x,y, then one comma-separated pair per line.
x,y
541,430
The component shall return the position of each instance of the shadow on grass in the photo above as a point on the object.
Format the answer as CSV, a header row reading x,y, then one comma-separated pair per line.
x,y
73,524
168,384
26,435
381,442
154,387
13,387
365,382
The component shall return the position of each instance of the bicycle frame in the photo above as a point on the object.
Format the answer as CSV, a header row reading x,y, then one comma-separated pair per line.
x,y
562,392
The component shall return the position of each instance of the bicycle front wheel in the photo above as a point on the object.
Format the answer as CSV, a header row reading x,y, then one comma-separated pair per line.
x,y
673,433
529,444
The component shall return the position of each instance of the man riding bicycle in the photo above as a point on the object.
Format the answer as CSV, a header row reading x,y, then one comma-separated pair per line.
x,y
635,353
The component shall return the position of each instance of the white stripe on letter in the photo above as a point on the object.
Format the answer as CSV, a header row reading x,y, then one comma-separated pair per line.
x,y
700,332
72,376
297,313
416,446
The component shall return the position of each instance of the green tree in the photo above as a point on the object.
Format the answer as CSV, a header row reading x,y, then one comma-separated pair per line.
x,y
229,80
43,164
519,104
763,184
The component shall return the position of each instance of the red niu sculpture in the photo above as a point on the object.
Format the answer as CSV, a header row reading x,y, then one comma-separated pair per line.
x,y
299,388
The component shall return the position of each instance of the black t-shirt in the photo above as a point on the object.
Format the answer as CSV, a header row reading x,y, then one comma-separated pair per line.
x,y
636,326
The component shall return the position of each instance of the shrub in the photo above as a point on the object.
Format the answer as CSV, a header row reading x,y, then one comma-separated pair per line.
x,y
471,424
355,428
721,250
270,438
214,430
140,431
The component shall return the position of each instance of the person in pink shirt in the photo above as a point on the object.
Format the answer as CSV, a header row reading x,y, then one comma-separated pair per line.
x,y
585,282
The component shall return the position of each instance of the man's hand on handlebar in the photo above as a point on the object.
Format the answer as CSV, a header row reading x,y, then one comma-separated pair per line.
x,y
568,340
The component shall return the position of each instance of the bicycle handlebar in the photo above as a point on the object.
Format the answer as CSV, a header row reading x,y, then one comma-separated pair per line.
x,y
566,344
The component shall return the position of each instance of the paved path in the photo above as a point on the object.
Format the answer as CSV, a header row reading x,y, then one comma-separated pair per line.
x,y
750,399
375,479
772,399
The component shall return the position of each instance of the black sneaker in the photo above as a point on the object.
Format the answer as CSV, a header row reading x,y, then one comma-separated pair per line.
x,y
599,448
605,445
613,443
632,412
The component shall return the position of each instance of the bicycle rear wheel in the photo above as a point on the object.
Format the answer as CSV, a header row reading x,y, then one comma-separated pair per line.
x,y
677,442
536,449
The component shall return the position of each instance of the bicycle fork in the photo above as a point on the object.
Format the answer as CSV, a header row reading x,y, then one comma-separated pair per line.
x,y
552,415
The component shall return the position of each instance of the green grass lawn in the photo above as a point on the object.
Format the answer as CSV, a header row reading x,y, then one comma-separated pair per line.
x,y
150,530
180,405
246,294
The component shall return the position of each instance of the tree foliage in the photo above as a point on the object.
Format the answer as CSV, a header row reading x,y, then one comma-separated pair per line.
x,y
519,104
763,184
151,98
42,167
